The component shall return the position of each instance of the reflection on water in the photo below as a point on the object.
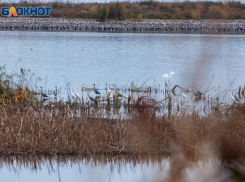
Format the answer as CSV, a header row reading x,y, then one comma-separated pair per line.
x,y
111,168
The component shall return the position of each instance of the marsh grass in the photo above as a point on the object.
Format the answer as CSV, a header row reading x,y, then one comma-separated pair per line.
x,y
31,125
31,132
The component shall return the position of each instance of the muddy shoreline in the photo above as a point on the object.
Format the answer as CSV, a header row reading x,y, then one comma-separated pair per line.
x,y
61,24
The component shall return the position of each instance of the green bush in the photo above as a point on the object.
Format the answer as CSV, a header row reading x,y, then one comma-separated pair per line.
x,y
117,11
122,12
104,12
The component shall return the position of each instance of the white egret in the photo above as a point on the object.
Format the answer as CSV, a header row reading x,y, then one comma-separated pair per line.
x,y
168,75
235,99
109,93
183,95
130,95
74,94
108,89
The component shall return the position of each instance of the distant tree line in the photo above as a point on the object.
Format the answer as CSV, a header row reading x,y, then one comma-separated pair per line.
x,y
143,10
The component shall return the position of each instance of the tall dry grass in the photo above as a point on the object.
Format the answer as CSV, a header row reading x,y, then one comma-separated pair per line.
x,y
64,132
142,10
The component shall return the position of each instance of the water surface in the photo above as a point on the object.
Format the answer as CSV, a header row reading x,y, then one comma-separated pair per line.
x,y
87,58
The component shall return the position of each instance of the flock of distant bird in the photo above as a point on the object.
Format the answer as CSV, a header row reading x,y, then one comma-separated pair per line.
x,y
109,94
76,96
199,94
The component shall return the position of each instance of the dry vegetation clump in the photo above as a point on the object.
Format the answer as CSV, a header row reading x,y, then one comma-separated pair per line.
x,y
143,10
65,132
49,133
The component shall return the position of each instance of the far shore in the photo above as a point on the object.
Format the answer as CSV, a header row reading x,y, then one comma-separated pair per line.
x,y
146,25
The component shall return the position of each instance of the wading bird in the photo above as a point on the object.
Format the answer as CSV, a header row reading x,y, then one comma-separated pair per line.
x,y
168,75
91,98
43,95
130,97
96,90
74,94
235,99
109,93
183,95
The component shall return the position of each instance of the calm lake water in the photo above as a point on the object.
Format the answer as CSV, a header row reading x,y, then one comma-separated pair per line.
x,y
87,58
